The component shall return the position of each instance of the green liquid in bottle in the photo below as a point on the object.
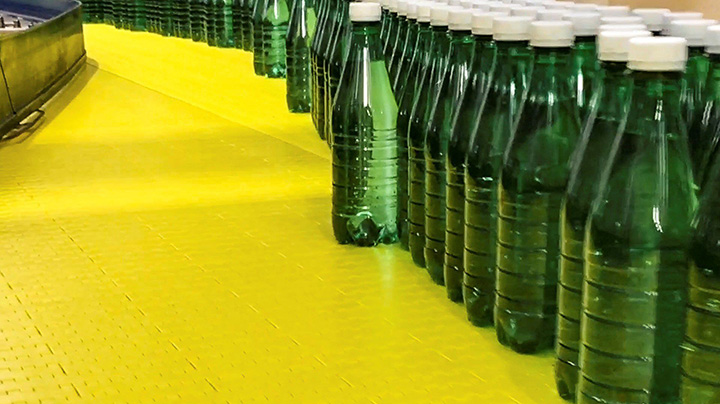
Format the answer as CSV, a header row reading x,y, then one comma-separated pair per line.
x,y
431,79
257,34
463,127
403,61
198,21
181,20
275,20
237,23
397,47
704,132
490,134
533,180
607,115
636,254
247,16
299,39
419,62
701,350
585,68
437,141
364,147
392,33
696,74
334,65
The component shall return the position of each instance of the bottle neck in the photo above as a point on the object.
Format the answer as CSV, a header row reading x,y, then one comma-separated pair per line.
x,y
616,86
440,41
656,97
551,70
365,40
713,81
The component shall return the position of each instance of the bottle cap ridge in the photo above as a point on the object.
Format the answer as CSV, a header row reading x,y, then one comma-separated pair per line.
x,y
423,11
623,27
712,40
614,46
694,31
614,11
482,22
402,6
551,34
460,19
365,12
656,54
654,18
439,14
584,24
634,19
527,11
511,28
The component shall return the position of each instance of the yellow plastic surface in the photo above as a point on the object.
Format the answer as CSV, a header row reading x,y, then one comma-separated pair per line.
x,y
166,238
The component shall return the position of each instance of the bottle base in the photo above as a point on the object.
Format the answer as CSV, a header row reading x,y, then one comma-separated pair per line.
x,y
434,265
525,334
479,306
453,278
416,245
566,378
404,236
361,230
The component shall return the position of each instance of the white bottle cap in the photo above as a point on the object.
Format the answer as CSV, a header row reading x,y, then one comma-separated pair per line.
x,y
551,34
511,28
365,12
412,10
527,11
519,2
623,20
439,14
372,1
656,54
682,15
482,22
613,46
623,27
402,6
551,15
584,24
384,4
460,19
392,6
454,3
423,11
614,11
584,8
694,31
504,8
712,40
467,3
566,4
654,18
481,6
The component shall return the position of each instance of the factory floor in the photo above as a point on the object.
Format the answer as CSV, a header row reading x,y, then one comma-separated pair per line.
x,y
166,238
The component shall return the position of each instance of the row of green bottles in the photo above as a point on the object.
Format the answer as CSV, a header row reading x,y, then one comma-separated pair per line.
x,y
364,142
301,30
607,113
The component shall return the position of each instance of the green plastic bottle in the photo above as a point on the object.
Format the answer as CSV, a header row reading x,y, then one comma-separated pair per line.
x,y
533,179
181,18
108,7
333,25
407,95
399,42
463,125
247,15
430,80
320,32
275,19
637,240
198,21
301,30
704,132
698,64
606,119
258,43
364,148
237,22
211,23
334,64
701,350
403,61
167,17
584,64
392,29
653,18
489,134
437,140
